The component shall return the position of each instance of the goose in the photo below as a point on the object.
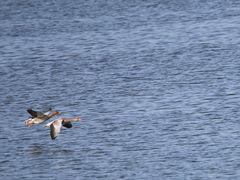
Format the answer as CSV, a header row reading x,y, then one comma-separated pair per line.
x,y
39,117
55,126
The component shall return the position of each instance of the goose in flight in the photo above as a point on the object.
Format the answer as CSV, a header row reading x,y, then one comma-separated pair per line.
x,y
39,117
55,126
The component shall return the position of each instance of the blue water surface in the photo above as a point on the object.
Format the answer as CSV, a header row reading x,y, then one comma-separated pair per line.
x,y
156,84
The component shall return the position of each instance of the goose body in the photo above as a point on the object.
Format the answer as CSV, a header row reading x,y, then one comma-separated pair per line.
x,y
55,126
39,117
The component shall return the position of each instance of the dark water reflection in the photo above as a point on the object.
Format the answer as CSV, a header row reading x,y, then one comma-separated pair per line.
x,y
155,83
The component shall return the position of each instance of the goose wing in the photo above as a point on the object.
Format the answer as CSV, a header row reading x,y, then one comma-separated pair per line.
x,y
55,128
67,124
69,120
35,113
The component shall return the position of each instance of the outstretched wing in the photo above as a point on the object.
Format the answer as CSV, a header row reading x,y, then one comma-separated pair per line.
x,y
69,120
35,113
55,128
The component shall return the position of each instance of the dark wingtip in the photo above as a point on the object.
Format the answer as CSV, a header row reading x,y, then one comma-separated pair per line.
x,y
67,125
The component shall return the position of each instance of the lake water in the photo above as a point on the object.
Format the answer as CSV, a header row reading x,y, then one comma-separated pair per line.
x,y
157,85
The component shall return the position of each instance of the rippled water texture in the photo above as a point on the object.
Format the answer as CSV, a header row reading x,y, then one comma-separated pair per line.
x,y
156,85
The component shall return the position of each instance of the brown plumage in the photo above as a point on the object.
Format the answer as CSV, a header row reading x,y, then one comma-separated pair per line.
x,y
55,126
39,117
